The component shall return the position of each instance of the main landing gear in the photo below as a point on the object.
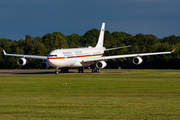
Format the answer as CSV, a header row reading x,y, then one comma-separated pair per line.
x,y
66,70
63,70
95,69
81,70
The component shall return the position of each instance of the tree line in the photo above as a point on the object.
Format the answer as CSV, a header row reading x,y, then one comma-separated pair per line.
x,y
140,44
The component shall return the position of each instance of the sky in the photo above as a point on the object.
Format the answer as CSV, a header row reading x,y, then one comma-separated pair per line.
x,y
19,18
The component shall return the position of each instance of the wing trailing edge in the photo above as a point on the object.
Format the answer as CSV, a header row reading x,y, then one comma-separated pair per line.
x,y
117,48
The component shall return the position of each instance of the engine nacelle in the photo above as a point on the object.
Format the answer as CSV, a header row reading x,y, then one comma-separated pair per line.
x,y
45,65
101,64
137,60
22,61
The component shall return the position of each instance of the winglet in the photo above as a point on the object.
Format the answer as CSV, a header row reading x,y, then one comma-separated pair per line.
x,y
173,50
4,52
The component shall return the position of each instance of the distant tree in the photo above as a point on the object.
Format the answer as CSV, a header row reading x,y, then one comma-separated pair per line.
x,y
73,41
54,41
5,44
172,40
121,37
6,62
40,48
90,38
140,43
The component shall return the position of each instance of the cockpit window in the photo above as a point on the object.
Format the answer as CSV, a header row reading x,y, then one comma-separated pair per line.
x,y
52,55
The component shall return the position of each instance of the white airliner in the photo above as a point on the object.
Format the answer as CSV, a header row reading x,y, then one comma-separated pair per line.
x,y
81,57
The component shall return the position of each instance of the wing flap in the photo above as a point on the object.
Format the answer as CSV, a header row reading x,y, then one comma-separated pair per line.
x,y
117,48
92,59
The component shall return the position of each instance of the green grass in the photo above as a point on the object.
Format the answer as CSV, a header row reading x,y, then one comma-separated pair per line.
x,y
141,95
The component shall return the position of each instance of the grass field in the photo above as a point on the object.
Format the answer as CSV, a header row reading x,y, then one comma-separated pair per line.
x,y
140,95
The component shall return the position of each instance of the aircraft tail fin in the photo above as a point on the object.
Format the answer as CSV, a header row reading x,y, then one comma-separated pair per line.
x,y
101,36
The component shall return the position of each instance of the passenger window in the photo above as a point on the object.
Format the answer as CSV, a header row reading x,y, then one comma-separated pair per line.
x,y
52,55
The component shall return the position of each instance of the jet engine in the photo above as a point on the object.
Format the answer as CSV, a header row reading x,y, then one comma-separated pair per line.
x,y
101,64
45,65
137,60
22,61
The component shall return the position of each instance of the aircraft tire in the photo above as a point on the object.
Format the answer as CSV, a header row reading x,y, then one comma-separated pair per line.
x,y
81,70
56,72
95,70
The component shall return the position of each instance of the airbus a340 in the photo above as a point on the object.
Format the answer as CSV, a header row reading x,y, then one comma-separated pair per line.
x,y
81,57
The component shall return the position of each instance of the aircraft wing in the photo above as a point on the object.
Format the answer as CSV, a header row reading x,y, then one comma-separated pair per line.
x,y
26,56
136,55
125,56
133,55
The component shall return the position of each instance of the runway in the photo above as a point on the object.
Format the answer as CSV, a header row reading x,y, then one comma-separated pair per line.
x,y
51,72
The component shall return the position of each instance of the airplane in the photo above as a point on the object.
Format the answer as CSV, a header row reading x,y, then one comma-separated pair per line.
x,y
82,57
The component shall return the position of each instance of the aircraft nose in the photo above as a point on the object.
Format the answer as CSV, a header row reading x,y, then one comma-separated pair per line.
x,y
51,62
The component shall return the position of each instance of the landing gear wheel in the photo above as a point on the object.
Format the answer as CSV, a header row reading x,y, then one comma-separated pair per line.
x,y
67,70
56,71
81,70
98,70
64,70
95,70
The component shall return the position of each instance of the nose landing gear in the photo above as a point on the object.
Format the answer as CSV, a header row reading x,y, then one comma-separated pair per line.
x,y
56,71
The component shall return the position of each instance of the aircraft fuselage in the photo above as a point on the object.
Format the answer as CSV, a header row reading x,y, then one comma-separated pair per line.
x,y
73,57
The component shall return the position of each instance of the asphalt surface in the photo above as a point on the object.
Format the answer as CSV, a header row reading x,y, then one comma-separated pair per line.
x,y
51,72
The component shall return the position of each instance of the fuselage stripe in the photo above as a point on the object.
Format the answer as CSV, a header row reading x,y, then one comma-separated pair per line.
x,y
56,58
72,57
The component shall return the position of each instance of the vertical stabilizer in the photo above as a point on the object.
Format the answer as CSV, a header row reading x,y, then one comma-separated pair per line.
x,y
101,36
